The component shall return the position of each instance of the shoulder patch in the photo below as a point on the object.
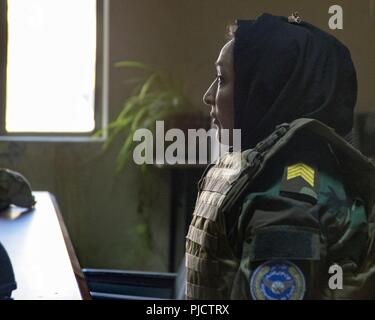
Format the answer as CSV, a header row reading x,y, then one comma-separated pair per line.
x,y
301,182
277,280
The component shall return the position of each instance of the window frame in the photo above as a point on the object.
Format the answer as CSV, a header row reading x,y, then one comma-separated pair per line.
x,y
101,84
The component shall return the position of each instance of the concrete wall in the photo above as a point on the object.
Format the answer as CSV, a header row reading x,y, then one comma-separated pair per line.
x,y
184,36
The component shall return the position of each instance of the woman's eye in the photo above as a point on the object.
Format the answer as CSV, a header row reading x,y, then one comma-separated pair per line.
x,y
220,79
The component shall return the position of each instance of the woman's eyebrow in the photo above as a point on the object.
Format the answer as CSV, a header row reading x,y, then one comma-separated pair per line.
x,y
218,64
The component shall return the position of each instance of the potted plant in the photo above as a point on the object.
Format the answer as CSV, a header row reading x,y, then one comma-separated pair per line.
x,y
159,97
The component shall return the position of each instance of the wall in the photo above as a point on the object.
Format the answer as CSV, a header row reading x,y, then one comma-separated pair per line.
x,y
100,207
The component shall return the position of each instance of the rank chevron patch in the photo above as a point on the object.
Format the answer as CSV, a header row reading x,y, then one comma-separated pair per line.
x,y
301,170
300,181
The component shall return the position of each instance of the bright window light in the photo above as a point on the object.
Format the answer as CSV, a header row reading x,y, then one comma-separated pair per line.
x,y
51,66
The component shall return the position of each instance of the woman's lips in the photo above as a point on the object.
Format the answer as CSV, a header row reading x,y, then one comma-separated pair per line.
x,y
213,117
214,120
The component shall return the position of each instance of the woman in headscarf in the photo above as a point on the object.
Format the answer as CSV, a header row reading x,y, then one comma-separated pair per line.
x,y
294,222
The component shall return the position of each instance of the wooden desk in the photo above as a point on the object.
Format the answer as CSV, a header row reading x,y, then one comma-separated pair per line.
x,y
37,250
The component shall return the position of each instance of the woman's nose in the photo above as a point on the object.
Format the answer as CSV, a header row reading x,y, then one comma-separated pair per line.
x,y
209,96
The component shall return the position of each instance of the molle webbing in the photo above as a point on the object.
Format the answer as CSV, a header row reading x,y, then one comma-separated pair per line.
x,y
203,238
201,265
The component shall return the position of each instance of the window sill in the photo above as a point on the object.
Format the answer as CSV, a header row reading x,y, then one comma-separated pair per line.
x,y
30,138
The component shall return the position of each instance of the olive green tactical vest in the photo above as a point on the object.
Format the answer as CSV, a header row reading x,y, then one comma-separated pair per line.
x,y
210,260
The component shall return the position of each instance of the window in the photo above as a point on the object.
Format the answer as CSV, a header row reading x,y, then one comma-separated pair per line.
x,y
52,67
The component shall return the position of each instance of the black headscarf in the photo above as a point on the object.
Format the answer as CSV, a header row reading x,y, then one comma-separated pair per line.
x,y
285,71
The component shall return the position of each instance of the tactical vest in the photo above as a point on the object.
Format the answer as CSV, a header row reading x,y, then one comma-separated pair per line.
x,y
210,261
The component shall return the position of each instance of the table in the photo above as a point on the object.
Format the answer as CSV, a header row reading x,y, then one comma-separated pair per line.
x,y
38,251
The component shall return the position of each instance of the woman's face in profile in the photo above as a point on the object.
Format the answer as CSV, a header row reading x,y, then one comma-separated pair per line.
x,y
219,95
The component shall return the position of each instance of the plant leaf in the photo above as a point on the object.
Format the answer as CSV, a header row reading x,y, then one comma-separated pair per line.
x,y
124,153
133,64
146,86
118,127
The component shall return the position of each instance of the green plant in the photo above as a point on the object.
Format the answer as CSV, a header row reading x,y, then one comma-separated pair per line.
x,y
158,97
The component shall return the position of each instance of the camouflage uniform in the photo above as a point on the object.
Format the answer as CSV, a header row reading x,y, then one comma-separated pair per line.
x,y
301,202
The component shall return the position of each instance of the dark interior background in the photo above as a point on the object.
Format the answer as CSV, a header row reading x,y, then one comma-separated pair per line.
x,y
184,37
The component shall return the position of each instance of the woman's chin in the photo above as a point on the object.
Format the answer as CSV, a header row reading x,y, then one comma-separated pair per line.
x,y
220,138
224,136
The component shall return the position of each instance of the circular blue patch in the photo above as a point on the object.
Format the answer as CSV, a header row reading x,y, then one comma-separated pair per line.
x,y
277,280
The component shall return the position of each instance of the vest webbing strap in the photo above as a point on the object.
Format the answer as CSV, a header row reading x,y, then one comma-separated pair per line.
x,y
201,265
202,238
